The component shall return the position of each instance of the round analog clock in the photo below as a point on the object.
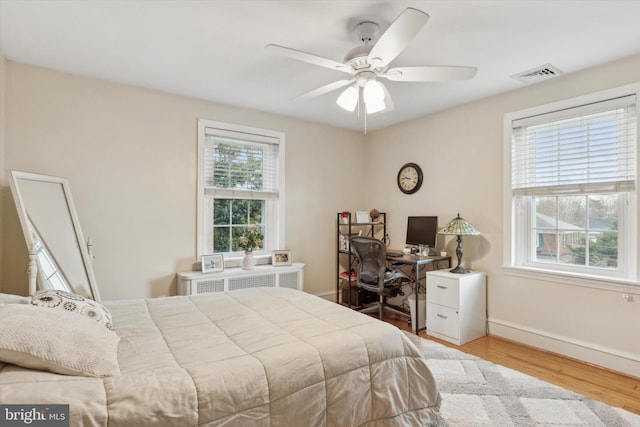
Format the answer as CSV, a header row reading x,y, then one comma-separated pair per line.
x,y
410,178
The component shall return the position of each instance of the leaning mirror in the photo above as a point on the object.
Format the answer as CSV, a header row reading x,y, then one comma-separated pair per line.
x,y
52,232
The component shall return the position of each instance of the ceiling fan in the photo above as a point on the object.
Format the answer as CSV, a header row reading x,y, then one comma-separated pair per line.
x,y
367,63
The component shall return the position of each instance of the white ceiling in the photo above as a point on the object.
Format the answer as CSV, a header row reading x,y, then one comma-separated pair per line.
x,y
214,49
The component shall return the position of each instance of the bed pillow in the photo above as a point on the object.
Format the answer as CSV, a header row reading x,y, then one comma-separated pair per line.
x,y
73,303
13,299
57,341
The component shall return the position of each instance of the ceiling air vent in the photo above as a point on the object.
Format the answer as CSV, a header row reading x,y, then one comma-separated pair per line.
x,y
538,74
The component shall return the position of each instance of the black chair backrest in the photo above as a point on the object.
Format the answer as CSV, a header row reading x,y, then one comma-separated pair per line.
x,y
371,254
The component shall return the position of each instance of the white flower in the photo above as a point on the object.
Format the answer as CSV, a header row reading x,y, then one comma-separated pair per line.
x,y
47,300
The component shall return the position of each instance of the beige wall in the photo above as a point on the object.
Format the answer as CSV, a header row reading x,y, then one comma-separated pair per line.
x,y
460,151
130,157
3,174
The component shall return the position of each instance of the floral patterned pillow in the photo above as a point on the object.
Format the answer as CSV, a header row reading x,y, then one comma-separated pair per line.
x,y
58,341
72,303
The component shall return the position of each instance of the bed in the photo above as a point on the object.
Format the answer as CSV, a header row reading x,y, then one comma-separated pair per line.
x,y
254,357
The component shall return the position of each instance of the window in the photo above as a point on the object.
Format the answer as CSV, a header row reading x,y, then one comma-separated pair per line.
x,y
572,196
240,187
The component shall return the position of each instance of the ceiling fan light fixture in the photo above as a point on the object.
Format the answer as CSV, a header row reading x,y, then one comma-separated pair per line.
x,y
348,99
373,92
375,96
376,106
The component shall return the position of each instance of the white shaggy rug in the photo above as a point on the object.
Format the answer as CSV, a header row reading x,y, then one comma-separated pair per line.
x,y
476,392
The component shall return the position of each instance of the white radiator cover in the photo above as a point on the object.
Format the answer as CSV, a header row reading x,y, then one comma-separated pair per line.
x,y
195,282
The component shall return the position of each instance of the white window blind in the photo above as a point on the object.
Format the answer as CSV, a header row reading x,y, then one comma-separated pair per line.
x,y
589,149
240,185
240,165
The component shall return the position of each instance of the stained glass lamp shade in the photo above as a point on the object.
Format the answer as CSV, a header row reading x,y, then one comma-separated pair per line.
x,y
459,227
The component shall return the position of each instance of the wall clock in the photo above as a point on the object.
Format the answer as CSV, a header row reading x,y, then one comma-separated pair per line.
x,y
409,178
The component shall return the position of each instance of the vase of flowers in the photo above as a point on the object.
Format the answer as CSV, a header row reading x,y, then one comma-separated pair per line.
x,y
248,261
249,240
344,216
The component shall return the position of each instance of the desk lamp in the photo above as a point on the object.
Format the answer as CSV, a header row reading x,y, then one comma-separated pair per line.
x,y
459,227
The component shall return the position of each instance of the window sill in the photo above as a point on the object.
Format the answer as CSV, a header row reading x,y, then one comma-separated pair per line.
x,y
236,261
613,285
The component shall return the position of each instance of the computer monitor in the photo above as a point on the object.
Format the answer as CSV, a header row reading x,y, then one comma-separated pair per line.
x,y
422,230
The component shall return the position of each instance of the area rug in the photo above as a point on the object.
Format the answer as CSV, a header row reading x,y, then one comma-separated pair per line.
x,y
476,392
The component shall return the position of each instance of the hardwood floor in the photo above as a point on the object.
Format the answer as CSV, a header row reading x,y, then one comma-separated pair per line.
x,y
607,386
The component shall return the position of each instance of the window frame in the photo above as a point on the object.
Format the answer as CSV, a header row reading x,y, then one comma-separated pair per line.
x,y
274,209
517,240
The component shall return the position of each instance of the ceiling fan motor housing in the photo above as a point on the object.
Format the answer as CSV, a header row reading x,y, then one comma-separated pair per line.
x,y
364,76
366,31
357,57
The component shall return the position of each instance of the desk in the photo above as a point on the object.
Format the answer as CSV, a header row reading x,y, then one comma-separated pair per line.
x,y
416,261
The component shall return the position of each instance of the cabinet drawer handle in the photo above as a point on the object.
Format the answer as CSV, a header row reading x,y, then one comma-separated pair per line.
x,y
442,287
442,316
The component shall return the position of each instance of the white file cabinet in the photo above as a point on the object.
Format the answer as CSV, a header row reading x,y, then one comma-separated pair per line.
x,y
456,306
195,282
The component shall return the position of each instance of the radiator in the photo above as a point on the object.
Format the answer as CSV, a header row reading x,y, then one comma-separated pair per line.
x,y
194,283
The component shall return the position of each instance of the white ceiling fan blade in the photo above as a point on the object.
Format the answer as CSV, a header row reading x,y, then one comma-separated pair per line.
x,y
310,58
397,37
433,73
325,89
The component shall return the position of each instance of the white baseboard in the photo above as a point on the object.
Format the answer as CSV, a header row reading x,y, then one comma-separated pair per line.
x,y
609,358
329,296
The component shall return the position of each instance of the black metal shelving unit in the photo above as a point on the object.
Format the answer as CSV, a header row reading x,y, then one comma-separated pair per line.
x,y
345,259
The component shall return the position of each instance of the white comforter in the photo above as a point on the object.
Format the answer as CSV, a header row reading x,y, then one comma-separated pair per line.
x,y
256,357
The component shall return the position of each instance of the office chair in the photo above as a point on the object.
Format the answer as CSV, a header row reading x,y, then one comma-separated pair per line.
x,y
373,274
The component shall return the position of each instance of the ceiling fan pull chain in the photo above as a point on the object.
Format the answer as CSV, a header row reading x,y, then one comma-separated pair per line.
x,y
365,124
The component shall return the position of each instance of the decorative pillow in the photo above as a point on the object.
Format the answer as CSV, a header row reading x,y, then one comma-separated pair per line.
x,y
62,300
57,341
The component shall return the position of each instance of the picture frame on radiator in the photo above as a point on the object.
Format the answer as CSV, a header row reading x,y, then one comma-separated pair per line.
x,y
212,263
281,257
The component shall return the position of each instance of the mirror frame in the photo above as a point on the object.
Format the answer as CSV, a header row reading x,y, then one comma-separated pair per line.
x,y
24,222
